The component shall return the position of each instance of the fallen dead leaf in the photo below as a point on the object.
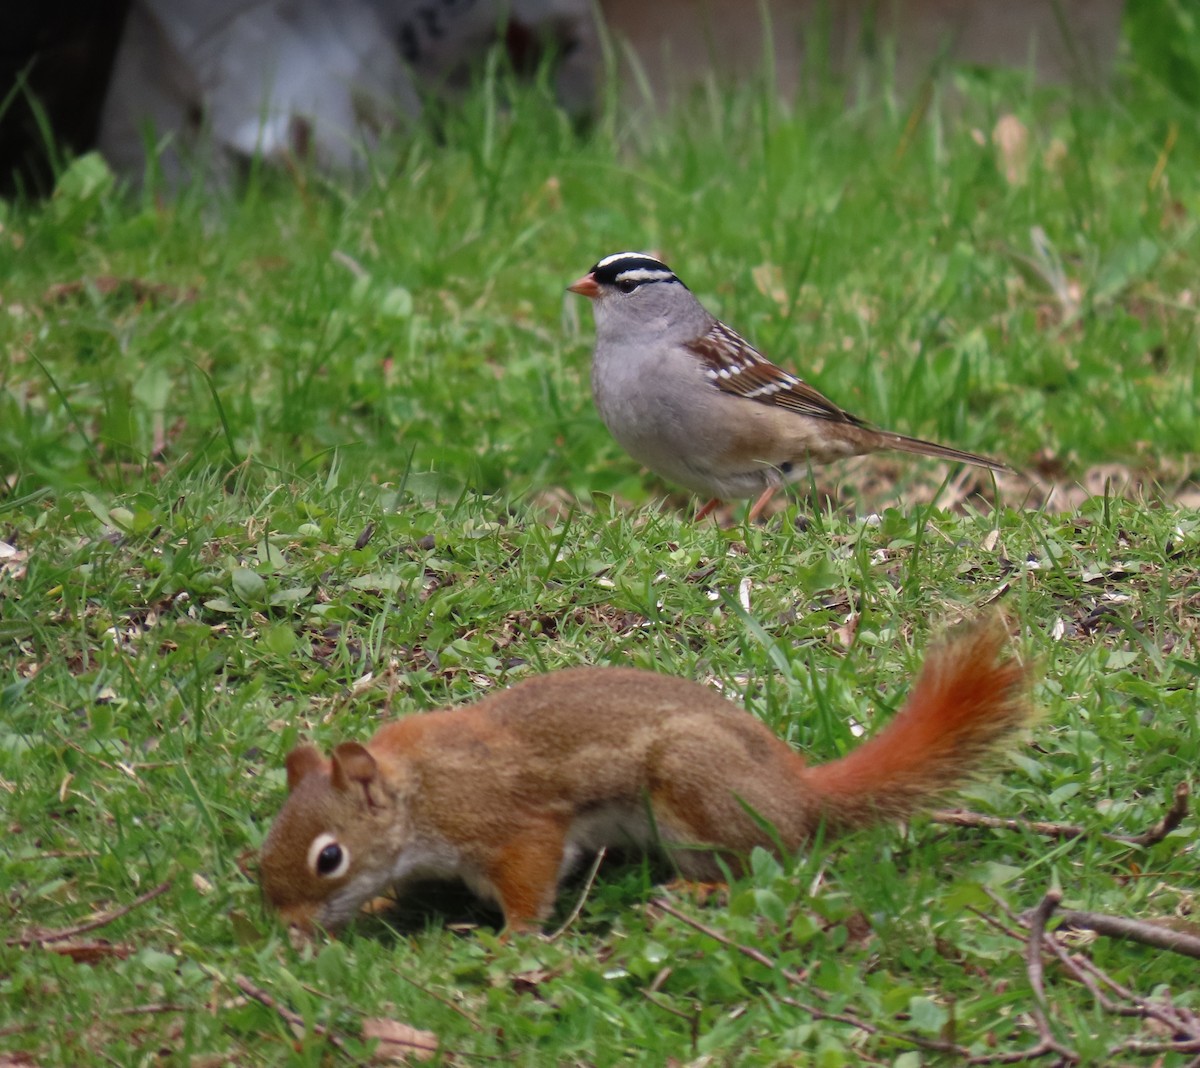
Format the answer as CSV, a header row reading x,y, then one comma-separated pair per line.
x,y
138,289
768,280
700,893
529,982
1011,138
12,561
398,1041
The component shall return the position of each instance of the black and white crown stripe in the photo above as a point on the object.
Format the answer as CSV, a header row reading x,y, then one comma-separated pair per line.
x,y
632,267
617,257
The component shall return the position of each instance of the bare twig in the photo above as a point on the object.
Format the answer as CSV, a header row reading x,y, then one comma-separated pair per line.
x,y
691,1018
1181,1023
42,938
851,1018
1016,1056
1072,966
1149,934
1033,966
296,1021
1168,1015
292,1019
1006,908
1033,956
658,1003
958,817
588,883
152,1009
991,921
1047,1045
1190,1045
931,1044
1175,814
439,998
1176,1021
1172,818
746,951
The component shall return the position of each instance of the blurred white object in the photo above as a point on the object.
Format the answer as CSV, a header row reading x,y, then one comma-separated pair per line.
x,y
442,41
228,80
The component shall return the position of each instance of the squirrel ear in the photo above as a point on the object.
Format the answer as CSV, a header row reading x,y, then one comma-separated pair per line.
x,y
352,764
302,762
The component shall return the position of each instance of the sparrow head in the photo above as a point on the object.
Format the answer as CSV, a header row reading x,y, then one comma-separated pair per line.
x,y
624,273
637,298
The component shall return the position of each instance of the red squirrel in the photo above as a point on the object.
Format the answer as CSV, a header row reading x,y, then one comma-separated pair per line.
x,y
509,793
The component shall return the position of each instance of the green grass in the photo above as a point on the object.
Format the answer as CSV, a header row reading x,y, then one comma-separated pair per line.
x,y
343,464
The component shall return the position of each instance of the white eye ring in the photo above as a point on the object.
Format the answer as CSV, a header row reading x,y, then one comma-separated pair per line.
x,y
315,860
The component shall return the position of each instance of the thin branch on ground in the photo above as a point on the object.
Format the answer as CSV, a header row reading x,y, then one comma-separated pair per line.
x,y
152,1009
1047,1045
849,1017
42,938
868,1028
992,921
588,883
1175,814
1041,944
959,817
1172,818
1149,934
1007,909
746,951
1033,967
292,1019
1085,972
439,998
692,1019
658,1003
1182,1023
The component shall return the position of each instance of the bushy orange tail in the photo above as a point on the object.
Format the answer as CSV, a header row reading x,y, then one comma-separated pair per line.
x,y
967,701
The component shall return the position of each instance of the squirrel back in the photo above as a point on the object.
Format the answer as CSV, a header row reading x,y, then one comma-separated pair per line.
x,y
507,794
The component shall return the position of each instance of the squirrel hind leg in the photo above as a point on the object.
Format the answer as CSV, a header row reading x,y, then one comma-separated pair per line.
x,y
726,781
708,833
698,863
524,874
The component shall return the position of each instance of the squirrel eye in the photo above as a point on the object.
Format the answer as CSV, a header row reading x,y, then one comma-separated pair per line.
x,y
326,858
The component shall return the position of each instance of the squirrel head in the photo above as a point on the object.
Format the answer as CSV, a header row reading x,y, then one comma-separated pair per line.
x,y
323,858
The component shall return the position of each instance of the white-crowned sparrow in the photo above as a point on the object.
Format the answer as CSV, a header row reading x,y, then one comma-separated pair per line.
x,y
693,401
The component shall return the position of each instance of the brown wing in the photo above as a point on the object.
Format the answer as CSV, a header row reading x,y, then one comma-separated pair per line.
x,y
737,367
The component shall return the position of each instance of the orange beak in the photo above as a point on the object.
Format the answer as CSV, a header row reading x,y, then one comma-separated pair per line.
x,y
585,287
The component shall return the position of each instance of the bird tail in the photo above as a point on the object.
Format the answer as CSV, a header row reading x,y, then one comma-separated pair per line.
x,y
944,452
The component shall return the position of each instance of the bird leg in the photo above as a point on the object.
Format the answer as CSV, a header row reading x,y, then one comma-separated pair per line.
x,y
708,509
758,506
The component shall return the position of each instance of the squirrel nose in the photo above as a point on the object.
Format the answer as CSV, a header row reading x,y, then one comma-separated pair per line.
x,y
300,922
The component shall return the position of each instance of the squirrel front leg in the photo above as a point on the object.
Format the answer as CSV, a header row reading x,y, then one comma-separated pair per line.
x,y
524,872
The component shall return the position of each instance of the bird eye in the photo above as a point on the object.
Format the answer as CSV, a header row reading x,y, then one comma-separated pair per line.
x,y
326,858
627,285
